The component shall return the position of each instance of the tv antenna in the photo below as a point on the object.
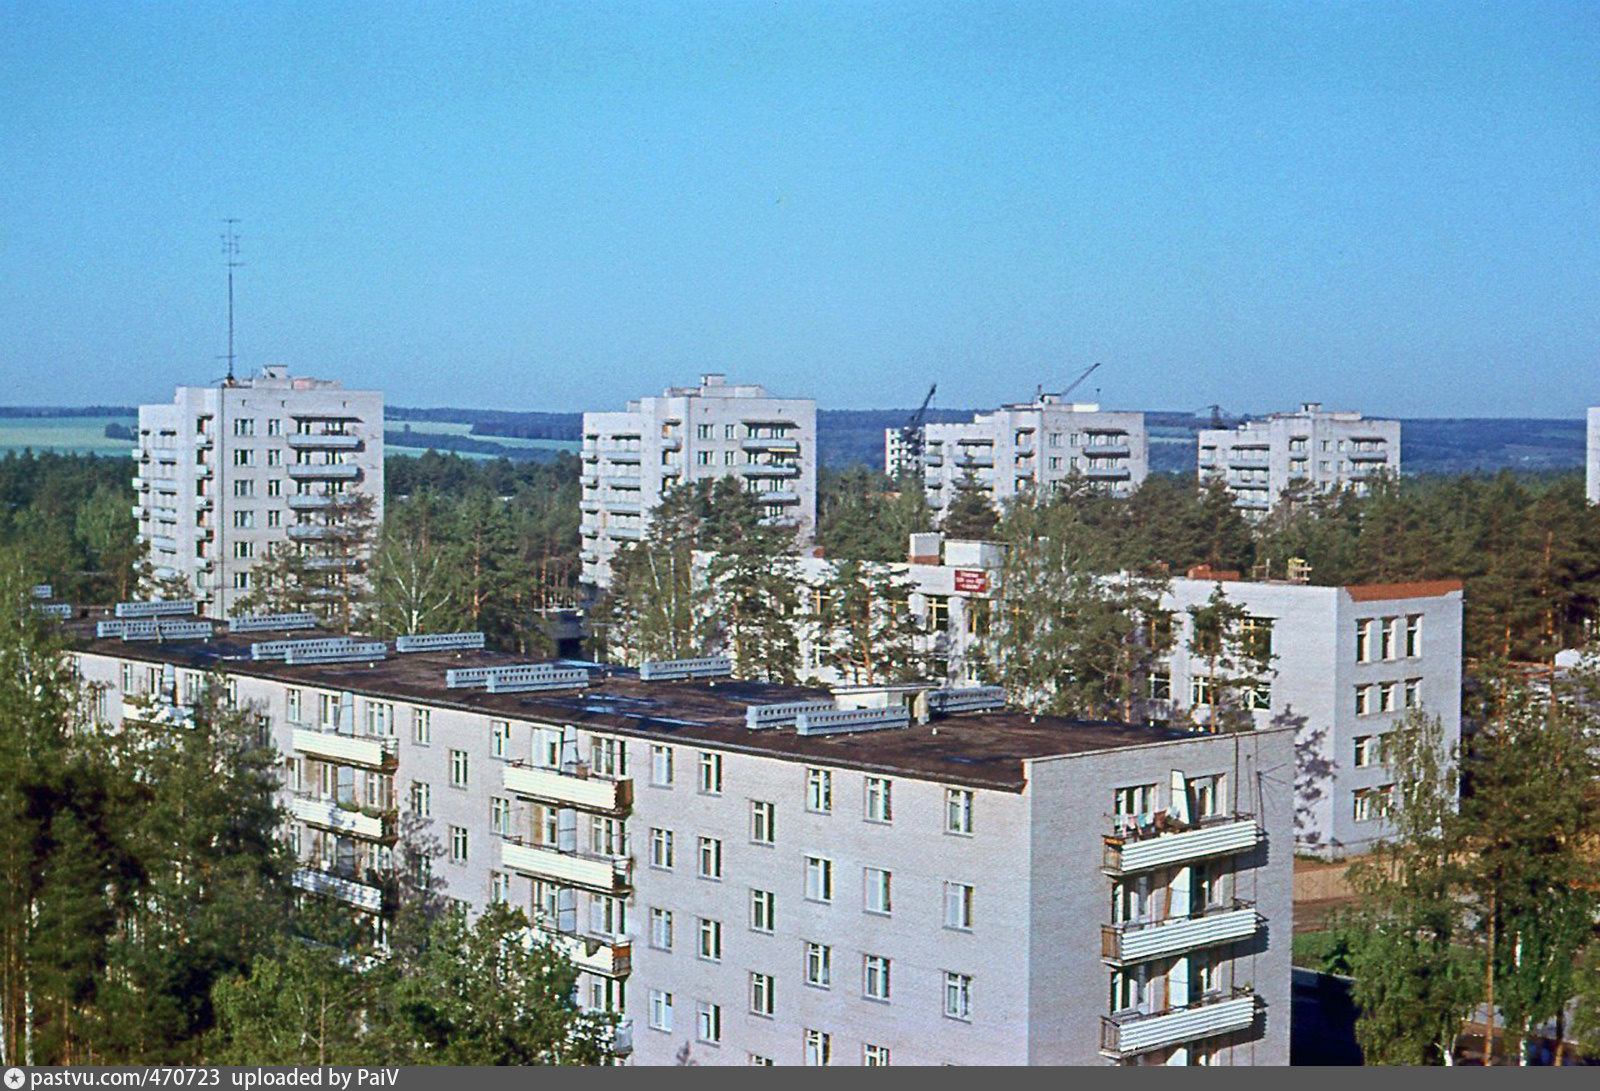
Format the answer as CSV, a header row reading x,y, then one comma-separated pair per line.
x,y
230,257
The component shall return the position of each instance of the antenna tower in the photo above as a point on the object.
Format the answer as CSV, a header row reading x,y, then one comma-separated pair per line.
x,y
230,256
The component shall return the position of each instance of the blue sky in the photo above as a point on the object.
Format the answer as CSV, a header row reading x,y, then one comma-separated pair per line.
x,y
555,206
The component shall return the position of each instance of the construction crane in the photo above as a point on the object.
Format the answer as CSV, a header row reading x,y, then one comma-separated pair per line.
x,y
911,435
1090,370
1218,417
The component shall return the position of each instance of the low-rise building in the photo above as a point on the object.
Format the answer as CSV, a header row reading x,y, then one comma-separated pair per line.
x,y
748,874
1312,449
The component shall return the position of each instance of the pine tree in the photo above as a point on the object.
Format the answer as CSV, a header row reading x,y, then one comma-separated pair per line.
x,y
971,514
1238,662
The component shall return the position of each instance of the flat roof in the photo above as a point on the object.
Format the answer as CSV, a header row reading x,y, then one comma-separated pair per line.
x,y
979,749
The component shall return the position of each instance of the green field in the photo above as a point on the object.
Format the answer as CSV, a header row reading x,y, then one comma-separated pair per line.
x,y
64,435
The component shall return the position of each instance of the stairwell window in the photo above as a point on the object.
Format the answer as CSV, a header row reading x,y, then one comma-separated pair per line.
x,y
710,947
819,1048
819,879
880,808
661,848
957,996
1413,636
874,1056
708,1024
875,977
763,906
958,811
763,822
958,906
819,791
710,858
876,883
661,929
458,768
1364,640
762,999
819,965
710,773
660,1010
1413,693
499,738
421,726
661,766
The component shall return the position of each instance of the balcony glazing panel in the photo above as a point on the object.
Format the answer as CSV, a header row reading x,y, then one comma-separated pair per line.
x,y
1214,837
569,789
374,753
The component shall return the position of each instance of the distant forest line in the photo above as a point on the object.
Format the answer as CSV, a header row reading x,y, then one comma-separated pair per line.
x,y
848,437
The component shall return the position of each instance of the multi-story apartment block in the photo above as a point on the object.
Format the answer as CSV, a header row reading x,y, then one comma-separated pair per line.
x,y
1033,447
1318,450
748,875
633,458
1591,461
1346,664
228,473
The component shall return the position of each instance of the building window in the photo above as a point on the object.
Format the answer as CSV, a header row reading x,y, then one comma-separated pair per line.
x,y
1367,750
458,844
819,1048
1388,630
957,996
421,726
1372,803
1364,640
879,806
819,965
875,977
244,519
1386,696
710,858
661,766
1363,700
958,906
608,837
957,811
708,1025
458,768
660,1010
661,929
1413,636
761,994
819,879
608,757
421,799
758,1061
499,738
608,916
1413,695
819,791
244,426
1134,805
661,848
499,815
763,822
938,612
876,882
710,940
874,1056
763,906
499,887
710,773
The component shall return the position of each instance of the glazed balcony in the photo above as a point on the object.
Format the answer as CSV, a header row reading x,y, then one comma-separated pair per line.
x,y
1132,1033
328,815
607,958
366,751
1139,941
773,443
1148,848
337,471
575,789
350,891
328,442
602,874
770,469
309,502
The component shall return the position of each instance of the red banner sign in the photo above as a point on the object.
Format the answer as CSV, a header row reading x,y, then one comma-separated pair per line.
x,y
972,581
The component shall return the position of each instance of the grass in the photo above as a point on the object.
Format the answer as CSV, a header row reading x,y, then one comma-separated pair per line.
x,y
1320,951
63,435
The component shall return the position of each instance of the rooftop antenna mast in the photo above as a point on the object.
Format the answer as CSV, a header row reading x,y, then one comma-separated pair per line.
x,y
230,256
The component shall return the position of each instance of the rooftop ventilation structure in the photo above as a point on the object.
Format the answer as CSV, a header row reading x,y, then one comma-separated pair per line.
x,y
349,653
842,721
154,629
759,717
61,611
280,649
549,678
167,608
667,670
970,699
467,677
257,623
438,642
43,591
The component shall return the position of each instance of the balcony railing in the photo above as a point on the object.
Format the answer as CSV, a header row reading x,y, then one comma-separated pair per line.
x,y
1132,1033
1161,845
329,815
329,442
1137,941
770,469
776,496
608,958
372,752
603,874
333,471
625,533
309,502
772,443
309,531
570,789
1107,473
626,507
350,891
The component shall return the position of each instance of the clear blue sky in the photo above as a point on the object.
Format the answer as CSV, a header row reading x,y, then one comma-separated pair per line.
x,y
556,206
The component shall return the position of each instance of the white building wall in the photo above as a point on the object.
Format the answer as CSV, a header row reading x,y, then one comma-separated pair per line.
x,y
1329,450
1592,456
225,472
717,429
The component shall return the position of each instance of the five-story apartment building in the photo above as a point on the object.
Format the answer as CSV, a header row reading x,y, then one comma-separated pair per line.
x,y
1314,449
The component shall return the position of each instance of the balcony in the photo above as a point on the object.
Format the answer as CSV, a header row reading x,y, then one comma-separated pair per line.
x,y
1108,450
1145,850
576,789
334,471
367,751
776,496
626,507
148,710
309,502
1369,456
328,815
770,469
1107,473
327,442
1136,1032
202,503
305,532
597,956
335,564
628,457
1245,462
166,485
1137,941
672,443
141,485
771,443
202,471
202,441
975,461
626,534
590,481
349,891
601,874
166,455
141,512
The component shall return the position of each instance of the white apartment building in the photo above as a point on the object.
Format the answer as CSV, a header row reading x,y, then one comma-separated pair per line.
x,y
748,875
228,473
1347,663
717,429
1326,450
1591,462
1037,446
